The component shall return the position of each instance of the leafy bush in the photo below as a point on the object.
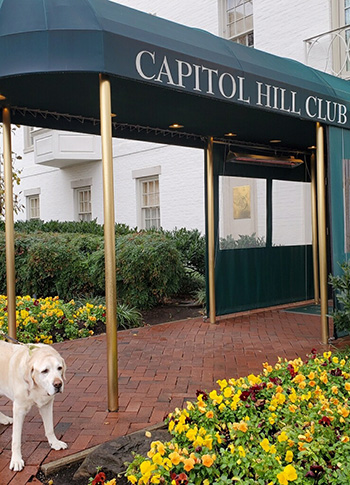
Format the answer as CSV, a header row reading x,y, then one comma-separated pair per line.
x,y
341,286
149,269
51,264
81,227
243,242
288,425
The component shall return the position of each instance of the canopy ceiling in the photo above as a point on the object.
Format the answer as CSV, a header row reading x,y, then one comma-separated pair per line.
x,y
51,52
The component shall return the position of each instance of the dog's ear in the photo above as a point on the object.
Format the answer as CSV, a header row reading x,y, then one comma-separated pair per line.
x,y
64,368
29,377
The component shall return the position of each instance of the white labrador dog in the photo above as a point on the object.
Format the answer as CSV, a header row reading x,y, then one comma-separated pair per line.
x,y
30,374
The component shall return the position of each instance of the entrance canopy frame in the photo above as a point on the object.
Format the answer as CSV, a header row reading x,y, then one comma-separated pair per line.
x,y
53,57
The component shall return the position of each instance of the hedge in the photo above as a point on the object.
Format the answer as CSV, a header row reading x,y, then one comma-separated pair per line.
x,y
149,266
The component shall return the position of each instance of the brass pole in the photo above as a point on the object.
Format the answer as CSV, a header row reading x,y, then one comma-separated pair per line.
x,y
211,238
314,228
9,225
322,234
109,238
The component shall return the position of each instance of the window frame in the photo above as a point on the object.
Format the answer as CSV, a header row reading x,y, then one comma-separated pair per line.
x,y
244,36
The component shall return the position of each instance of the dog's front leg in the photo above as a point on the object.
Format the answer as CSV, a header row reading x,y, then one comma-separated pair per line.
x,y
19,413
46,412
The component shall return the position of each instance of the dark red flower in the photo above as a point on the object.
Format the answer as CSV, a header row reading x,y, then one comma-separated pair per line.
x,y
244,395
99,479
291,371
325,421
336,372
205,396
315,471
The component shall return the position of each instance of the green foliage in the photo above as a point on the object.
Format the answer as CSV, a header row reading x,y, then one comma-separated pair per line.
x,y
341,286
191,244
67,259
148,268
51,264
81,227
243,242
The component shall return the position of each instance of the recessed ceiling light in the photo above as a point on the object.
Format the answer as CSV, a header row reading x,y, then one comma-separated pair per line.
x,y
176,126
275,141
313,147
2,98
230,134
113,115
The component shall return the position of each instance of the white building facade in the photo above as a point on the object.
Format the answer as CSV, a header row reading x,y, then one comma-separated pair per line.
x,y
159,185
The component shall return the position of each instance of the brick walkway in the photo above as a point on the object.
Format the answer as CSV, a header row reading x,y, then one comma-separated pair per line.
x,y
160,368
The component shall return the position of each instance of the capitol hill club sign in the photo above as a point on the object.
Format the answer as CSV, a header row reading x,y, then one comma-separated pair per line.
x,y
243,89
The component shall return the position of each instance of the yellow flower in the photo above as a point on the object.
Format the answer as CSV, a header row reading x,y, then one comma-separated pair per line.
x,y
282,437
188,464
265,445
289,456
132,479
112,482
207,460
289,474
175,458
242,426
241,451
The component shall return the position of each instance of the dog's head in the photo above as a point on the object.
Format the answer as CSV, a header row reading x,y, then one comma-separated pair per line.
x,y
46,369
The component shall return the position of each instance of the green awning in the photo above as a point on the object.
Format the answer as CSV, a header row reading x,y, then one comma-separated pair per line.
x,y
51,52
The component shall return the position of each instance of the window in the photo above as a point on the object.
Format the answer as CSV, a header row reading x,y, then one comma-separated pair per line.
x,y
291,213
33,207
150,208
340,43
236,21
84,203
147,196
242,212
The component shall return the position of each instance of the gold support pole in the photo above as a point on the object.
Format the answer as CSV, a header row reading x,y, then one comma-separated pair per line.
x,y
109,238
314,228
322,234
9,225
211,238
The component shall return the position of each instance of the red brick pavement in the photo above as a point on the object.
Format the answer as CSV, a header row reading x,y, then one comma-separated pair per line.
x,y
160,368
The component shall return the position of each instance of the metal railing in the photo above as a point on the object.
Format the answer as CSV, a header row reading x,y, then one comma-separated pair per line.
x,y
330,51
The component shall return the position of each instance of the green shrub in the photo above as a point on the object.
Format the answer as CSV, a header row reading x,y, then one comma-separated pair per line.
x,y
243,242
81,227
51,264
149,269
341,287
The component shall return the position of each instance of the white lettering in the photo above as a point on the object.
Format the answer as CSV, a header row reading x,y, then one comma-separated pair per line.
x,y
342,118
180,72
283,91
293,108
319,113
197,78
307,106
241,90
261,94
210,78
138,64
233,85
329,117
166,72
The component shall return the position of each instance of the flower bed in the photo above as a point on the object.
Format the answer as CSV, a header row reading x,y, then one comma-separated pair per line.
x,y
51,320
289,425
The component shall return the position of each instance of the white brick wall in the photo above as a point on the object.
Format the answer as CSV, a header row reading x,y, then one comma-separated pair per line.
x,y
280,27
